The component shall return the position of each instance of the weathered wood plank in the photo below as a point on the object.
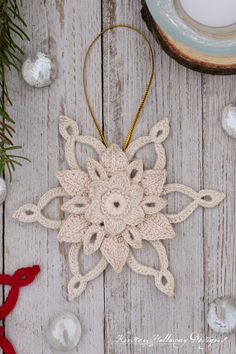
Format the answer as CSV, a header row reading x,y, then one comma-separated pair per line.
x,y
134,307
64,29
219,224
202,256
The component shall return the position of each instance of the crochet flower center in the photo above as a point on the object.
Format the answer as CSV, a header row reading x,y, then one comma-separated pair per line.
x,y
115,203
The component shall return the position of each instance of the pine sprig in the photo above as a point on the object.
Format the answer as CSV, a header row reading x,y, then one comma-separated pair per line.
x,y
11,24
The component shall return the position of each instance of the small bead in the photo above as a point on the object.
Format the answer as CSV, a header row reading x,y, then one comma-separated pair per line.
x,y
64,331
3,190
222,315
39,70
229,120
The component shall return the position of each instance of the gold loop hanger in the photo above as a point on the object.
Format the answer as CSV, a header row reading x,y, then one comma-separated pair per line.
x,y
141,104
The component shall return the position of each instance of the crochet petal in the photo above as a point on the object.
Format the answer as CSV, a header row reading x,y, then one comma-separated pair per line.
x,y
96,170
120,181
73,229
32,213
113,226
135,171
93,238
160,130
26,213
114,159
136,194
156,227
153,181
93,213
76,205
74,182
153,204
116,251
133,237
97,189
68,127
135,216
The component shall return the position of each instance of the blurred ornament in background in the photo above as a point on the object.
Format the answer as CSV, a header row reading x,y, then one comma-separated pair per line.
x,y
64,331
3,190
229,120
39,70
222,315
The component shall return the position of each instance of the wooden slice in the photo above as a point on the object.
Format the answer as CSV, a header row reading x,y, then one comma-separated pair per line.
x,y
188,57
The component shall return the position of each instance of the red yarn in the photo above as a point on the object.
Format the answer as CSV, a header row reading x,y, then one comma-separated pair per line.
x,y
22,277
6,346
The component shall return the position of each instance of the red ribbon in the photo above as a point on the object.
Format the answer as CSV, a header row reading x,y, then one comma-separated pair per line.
x,y
22,277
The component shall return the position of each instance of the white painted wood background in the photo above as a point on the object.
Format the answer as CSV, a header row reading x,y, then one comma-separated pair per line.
x,y
200,154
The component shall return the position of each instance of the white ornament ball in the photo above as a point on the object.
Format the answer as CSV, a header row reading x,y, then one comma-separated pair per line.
x,y
64,331
229,120
222,315
39,70
3,190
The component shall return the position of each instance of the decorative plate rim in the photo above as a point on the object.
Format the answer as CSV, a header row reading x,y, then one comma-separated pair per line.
x,y
166,16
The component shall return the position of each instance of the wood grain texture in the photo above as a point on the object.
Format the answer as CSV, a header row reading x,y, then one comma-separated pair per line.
x,y
202,256
219,170
134,307
61,29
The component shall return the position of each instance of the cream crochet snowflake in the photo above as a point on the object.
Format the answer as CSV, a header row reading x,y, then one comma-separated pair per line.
x,y
114,206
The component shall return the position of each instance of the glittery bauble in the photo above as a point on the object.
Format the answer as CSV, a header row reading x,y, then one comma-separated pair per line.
x,y
64,331
39,70
3,190
222,315
229,120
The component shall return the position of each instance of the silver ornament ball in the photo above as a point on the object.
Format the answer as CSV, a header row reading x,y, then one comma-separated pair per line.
x,y
64,331
39,70
222,315
229,120
3,190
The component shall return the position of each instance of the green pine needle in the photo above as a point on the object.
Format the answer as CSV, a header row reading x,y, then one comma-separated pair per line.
x,y
11,26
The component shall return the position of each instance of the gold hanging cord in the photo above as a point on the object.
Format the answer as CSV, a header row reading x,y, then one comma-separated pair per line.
x,y
141,104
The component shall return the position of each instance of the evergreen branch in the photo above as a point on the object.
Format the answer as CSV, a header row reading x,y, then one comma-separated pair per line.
x,y
11,28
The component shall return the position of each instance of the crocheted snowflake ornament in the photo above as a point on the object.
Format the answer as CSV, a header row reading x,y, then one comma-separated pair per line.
x,y
114,206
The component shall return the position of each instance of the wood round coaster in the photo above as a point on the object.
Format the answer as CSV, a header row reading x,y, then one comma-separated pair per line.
x,y
186,56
